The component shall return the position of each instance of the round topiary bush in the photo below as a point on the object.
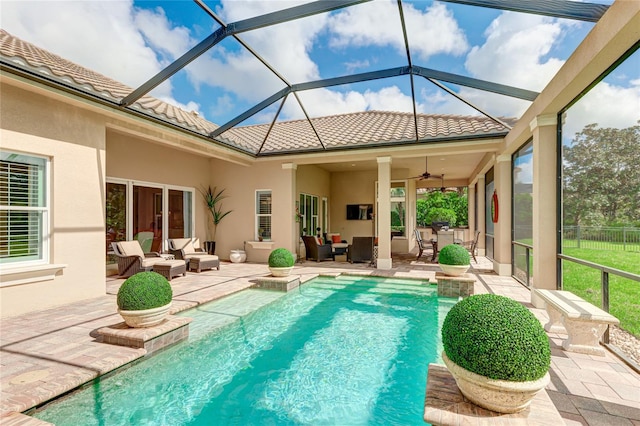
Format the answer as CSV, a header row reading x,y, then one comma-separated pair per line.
x,y
454,254
281,258
496,337
144,290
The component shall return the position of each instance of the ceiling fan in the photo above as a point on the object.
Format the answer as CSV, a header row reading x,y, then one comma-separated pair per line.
x,y
442,188
426,174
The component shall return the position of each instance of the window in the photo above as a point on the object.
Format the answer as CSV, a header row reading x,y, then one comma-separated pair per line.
x,y
489,226
263,215
309,212
398,210
24,209
398,202
147,212
522,207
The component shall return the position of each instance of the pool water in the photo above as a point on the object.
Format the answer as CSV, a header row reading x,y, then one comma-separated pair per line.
x,y
337,351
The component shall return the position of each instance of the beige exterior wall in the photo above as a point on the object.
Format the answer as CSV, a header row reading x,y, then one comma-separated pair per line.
x,y
351,188
145,162
74,142
241,184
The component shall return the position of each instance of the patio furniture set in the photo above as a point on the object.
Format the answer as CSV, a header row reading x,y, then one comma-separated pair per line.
x,y
444,237
184,253
362,249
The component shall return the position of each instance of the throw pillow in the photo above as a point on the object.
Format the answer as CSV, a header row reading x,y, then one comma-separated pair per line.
x,y
336,238
319,241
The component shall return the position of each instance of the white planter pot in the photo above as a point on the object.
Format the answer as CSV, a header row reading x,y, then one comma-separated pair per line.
x,y
145,318
280,272
454,270
496,395
238,256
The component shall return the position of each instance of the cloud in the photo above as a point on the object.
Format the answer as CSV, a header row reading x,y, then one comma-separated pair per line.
x,y
431,32
160,35
514,50
353,66
102,36
323,102
596,107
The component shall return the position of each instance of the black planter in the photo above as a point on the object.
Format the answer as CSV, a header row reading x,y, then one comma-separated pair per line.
x,y
210,247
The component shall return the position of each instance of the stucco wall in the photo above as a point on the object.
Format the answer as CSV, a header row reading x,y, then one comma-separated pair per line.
x,y
132,158
74,141
241,184
351,188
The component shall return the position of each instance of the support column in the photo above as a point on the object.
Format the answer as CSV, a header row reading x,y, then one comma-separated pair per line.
x,y
384,213
544,129
482,226
471,210
292,235
502,229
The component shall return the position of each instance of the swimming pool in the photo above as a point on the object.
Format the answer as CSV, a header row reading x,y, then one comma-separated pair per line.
x,y
337,351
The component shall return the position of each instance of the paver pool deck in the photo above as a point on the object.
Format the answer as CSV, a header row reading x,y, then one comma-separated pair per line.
x,y
48,353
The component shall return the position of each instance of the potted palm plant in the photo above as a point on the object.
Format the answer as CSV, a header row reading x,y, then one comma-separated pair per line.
x,y
144,299
213,200
454,260
281,262
497,351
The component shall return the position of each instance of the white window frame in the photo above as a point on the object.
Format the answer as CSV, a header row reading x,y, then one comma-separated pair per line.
x,y
259,215
395,199
44,237
315,218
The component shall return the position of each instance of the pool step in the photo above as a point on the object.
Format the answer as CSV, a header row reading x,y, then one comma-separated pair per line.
x,y
277,283
169,332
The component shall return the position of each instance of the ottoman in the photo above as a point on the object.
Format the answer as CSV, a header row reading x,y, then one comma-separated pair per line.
x,y
170,268
207,261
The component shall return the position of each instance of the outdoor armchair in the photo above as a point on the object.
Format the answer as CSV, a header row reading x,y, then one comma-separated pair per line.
x,y
361,250
472,246
316,251
422,244
131,259
185,248
338,245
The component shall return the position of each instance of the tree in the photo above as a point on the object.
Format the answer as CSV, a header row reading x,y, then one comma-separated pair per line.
x,y
601,177
433,202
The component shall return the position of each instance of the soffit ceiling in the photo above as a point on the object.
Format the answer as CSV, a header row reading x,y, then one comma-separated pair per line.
x,y
274,106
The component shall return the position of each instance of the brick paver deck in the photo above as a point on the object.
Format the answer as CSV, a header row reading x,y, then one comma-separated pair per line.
x,y
47,353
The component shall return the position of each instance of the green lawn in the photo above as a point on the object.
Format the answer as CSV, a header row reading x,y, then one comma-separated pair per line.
x,y
624,294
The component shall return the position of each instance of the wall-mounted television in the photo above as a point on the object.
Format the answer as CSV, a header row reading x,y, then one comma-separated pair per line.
x,y
359,211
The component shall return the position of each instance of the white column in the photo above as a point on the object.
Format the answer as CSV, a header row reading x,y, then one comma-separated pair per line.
x,y
482,226
502,229
471,210
290,210
384,213
544,129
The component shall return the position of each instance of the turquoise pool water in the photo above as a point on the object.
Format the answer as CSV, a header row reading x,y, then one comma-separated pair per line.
x,y
337,351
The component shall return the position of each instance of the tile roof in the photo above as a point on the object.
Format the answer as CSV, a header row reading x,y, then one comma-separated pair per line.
x,y
361,129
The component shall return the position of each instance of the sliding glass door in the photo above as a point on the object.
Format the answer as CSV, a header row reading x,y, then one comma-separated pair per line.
x,y
147,217
147,212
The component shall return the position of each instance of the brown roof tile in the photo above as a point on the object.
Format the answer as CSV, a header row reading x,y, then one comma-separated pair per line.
x,y
337,131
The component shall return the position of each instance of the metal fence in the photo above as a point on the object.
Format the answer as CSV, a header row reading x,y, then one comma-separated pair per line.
x,y
601,238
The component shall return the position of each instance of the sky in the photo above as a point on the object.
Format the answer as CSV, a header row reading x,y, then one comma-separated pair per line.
x,y
131,41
